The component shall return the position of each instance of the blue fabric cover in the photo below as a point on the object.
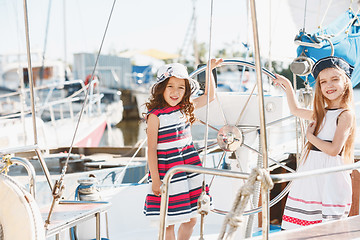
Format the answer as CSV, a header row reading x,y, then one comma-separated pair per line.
x,y
346,45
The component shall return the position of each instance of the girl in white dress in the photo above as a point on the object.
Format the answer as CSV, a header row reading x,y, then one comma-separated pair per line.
x,y
330,143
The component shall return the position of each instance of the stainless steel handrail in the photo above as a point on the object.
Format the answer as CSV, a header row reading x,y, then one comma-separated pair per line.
x,y
285,177
12,150
277,178
30,170
38,153
188,168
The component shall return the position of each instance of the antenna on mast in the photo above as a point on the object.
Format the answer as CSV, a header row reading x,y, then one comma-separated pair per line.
x,y
190,38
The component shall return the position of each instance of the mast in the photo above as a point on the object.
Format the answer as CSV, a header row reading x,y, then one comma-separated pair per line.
x,y
45,43
196,52
65,45
265,196
190,38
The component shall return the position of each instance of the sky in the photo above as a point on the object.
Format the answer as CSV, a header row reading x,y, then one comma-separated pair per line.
x,y
145,24
136,24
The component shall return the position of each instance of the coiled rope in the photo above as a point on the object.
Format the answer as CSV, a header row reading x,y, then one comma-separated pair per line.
x,y
234,218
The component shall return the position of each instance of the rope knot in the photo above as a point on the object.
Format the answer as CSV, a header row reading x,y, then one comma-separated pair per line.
x,y
247,190
234,217
233,220
264,178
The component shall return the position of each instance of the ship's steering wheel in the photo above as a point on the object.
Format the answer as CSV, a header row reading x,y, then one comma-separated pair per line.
x,y
231,136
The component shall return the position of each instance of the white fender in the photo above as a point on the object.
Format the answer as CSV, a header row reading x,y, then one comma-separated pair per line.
x,y
20,217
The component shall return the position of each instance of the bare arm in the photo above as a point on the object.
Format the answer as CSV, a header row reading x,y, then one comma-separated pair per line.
x,y
152,137
209,90
291,99
345,122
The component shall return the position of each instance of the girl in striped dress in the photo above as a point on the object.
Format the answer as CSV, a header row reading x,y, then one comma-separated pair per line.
x,y
330,143
170,115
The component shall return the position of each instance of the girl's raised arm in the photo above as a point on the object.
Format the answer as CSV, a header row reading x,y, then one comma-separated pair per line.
x,y
209,90
292,102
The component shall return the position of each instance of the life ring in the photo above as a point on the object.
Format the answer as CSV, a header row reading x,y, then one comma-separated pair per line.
x,y
20,217
88,77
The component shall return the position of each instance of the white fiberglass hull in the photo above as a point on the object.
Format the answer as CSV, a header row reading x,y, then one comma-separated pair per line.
x,y
55,134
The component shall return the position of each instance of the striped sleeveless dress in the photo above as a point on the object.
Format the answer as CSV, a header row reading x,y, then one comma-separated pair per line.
x,y
175,147
319,198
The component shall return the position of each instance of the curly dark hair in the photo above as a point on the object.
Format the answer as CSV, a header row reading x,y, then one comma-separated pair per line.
x,y
157,100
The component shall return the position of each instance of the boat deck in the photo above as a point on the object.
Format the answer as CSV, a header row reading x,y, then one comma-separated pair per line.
x,y
348,228
344,229
68,214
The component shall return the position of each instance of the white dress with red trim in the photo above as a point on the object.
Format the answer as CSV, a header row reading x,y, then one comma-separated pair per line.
x,y
319,198
175,147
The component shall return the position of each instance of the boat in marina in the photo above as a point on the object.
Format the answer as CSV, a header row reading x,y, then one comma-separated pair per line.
x,y
275,106
59,101
56,118
110,209
53,82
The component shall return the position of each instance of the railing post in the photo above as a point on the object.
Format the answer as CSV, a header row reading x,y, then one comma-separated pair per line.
x,y
264,195
193,169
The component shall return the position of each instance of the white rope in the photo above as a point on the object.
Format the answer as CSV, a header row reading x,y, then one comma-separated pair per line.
x,y
346,29
234,217
327,9
351,22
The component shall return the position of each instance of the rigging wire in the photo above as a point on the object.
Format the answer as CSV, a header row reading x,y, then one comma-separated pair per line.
x,y
45,42
326,11
305,9
208,69
208,83
20,76
58,186
87,93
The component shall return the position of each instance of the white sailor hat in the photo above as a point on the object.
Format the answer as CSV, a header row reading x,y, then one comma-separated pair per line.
x,y
175,70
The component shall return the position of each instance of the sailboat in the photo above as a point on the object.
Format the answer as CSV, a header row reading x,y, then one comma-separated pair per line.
x,y
57,108
212,227
233,131
59,98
